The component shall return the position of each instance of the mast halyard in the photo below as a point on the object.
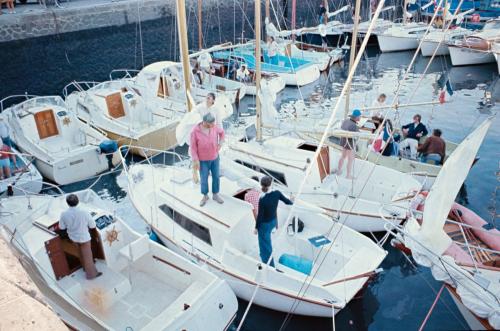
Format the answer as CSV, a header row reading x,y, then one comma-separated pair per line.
x,y
352,55
183,45
258,117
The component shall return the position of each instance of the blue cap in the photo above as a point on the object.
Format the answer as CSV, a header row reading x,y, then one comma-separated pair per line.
x,y
356,113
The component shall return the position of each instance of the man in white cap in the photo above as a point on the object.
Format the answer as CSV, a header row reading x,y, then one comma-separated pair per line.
x,y
348,147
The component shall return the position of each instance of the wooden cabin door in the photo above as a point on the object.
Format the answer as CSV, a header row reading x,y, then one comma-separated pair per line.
x,y
324,162
46,124
115,105
57,257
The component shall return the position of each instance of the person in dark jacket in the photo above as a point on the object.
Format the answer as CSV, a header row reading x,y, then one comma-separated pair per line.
x,y
267,218
413,132
434,148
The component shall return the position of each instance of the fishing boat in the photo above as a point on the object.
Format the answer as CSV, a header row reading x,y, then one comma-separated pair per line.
x,y
357,202
222,239
143,285
24,179
120,110
402,37
293,71
476,48
65,149
462,252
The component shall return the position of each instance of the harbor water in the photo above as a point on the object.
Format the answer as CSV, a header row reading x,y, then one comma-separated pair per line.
x,y
398,298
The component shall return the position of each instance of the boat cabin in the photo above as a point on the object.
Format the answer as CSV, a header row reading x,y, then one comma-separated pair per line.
x,y
47,123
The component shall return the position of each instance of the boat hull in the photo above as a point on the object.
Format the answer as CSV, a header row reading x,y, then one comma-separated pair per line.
x,y
497,57
428,48
472,321
275,84
244,288
161,140
72,169
461,56
389,43
301,77
332,39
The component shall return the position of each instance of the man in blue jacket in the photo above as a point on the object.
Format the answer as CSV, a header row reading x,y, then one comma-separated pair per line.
x,y
267,218
413,132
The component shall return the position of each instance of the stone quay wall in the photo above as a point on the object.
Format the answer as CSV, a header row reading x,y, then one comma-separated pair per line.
x,y
35,21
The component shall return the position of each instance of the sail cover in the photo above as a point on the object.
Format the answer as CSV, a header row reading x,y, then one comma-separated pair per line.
x,y
446,187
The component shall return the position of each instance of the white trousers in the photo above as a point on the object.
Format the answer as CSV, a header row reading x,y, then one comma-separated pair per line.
x,y
412,143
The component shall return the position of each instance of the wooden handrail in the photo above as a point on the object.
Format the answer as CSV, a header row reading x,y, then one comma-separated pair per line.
x,y
171,264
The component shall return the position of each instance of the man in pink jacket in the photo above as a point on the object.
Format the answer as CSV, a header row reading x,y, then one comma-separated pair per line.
x,y
206,141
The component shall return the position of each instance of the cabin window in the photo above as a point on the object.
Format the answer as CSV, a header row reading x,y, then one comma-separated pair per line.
x,y
277,176
197,230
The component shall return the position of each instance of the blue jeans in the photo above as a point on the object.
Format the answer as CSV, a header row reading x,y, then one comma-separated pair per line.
x,y
265,246
7,141
207,167
432,157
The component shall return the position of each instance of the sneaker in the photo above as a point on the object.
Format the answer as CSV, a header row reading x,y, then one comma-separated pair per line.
x,y
217,198
204,200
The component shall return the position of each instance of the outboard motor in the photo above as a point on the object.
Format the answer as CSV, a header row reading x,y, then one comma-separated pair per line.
x,y
109,147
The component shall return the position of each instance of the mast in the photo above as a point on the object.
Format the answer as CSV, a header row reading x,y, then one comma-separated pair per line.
x,y
200,32
352,55
268,11
294,16
183,45
257,72
405,11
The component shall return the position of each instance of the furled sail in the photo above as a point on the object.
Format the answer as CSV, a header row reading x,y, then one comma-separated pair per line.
x,y
446,187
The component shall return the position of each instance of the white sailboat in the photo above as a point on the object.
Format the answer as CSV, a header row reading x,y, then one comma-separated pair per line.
x,y
66,150
473,285
165,80
476,48
119,109
337,259
440,39
402,37
143,285
357,202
